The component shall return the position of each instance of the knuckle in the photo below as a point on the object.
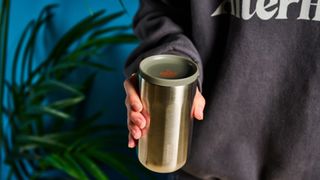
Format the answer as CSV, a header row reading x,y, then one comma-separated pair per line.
x,y
125,83
132,98
133,121
128,124
200,103
203,100
132,115
126,101
128,121
131,127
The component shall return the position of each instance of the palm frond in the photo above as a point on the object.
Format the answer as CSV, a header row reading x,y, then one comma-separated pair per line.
x,y
109,30
27,57
18,50
91,166
46,132
113,162
123,6
65,163
4,26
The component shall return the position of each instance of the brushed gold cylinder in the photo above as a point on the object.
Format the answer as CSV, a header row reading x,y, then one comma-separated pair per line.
x,y
164,144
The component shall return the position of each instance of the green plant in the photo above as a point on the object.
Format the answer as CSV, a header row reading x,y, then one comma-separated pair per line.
x,y
4,19
45,133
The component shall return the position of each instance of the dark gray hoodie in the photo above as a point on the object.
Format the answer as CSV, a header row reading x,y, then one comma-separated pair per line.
x,y
260,76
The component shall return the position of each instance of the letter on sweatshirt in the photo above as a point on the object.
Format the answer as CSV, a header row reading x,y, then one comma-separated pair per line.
x,y
305,10
261,9
246,10
222,8
283,8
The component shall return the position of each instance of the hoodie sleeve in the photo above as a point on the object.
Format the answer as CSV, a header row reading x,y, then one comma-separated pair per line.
x,y
163,27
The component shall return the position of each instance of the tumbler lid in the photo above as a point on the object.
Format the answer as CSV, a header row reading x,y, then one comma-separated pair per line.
x,y
168,70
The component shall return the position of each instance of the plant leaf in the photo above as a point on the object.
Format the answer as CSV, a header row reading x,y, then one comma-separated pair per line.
x,y
107,30
91,167
55,112
107,19
4,26
89,141
48,110
123,6
18,50
29,49
66,164
44,17
75,33
79,30
38,141
89,121
38,92
66,102
78,54
74,164
62,85
46,10
99,142
111,162
8,155
81,131
73,64
117,39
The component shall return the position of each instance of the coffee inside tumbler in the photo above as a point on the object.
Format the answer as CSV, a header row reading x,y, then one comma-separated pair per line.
x,y
167,89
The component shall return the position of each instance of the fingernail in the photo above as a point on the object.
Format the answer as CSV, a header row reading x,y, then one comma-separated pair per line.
x,y
130,145
136,107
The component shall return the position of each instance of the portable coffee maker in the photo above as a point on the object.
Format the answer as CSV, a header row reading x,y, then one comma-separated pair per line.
x,y
167,86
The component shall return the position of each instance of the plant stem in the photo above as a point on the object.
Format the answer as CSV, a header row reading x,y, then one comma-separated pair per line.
x,y
4,25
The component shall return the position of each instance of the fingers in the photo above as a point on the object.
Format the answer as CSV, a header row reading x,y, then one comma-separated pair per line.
x,y
135,131
137,118
198,105
136,121
131,142
132,101
136,126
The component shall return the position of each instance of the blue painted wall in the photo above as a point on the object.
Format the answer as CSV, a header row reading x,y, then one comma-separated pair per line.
x,y
108,87
107,90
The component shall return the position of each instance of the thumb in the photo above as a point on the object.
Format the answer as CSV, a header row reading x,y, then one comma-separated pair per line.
x,y
198,105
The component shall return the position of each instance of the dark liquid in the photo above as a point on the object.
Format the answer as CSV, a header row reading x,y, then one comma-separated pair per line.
x,y
171,71
168,74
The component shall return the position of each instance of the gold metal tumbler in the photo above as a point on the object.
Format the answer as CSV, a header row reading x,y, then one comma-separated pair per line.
x,y
167,87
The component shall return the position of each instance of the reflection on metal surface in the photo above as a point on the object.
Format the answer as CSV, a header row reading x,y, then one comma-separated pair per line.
x,y
164,144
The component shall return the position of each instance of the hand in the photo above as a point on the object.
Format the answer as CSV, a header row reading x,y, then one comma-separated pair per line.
x,y
136,121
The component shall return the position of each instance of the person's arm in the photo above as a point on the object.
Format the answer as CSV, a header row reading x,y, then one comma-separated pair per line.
x,y
163,27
